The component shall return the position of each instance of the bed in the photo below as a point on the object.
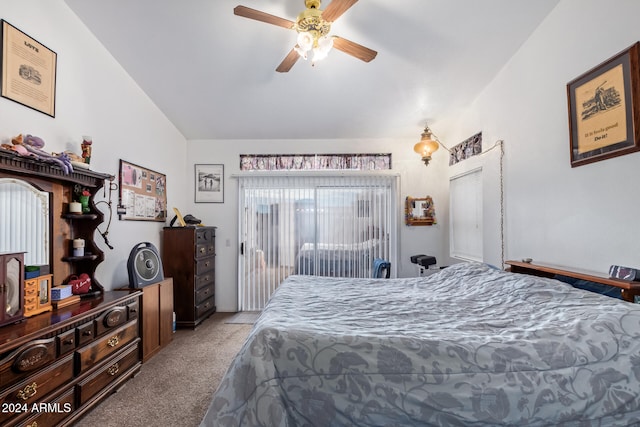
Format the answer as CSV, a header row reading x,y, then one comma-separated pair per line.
x,y
336,259
470,345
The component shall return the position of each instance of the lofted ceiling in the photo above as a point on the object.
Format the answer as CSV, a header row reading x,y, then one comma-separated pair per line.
x,y
213,73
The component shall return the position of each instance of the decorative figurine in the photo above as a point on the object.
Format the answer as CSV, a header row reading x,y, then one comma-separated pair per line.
x,y
86,149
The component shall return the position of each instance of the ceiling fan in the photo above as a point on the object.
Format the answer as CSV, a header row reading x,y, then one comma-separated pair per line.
x,y
313,26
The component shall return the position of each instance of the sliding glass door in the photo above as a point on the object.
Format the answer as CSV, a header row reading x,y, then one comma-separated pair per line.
x,y
315,225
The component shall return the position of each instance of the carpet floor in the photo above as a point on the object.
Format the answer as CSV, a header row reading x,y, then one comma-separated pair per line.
x,y
175,386
245,317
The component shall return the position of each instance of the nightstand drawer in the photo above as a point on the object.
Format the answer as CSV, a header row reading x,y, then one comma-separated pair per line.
x,y
106,346
36,387
108,373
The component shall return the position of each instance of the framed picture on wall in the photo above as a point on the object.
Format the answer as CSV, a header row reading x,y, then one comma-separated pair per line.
x,y
604,109
28,70
209,183
143,193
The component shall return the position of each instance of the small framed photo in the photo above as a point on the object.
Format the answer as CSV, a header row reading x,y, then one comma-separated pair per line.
x,y
209,183
604,109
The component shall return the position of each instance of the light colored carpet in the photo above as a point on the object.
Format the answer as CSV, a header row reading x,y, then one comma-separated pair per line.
x,y
244,317
175,386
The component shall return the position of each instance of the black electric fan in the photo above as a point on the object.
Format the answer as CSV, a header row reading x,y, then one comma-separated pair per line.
x,y
144,265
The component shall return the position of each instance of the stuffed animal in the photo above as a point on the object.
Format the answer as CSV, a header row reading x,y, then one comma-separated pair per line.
x,y
31,146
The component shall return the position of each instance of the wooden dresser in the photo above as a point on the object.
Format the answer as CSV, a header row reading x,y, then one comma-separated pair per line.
x,y
57,365
188,256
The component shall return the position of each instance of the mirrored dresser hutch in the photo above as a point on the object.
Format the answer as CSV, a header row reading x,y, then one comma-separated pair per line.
x,y
57,363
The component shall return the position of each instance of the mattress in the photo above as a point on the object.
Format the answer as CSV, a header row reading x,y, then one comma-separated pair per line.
x,y
470,345
336,259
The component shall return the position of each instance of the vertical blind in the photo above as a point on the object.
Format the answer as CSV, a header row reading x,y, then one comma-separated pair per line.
x,y
323,225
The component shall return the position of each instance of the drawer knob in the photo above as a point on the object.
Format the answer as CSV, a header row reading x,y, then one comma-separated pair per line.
x,y
113,369
86,333
28,391
113,341
68,341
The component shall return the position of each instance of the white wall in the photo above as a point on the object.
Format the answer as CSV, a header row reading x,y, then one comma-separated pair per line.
x,y
415,179
94,96
584,217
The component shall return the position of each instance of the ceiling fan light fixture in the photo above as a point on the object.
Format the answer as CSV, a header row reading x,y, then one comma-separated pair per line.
x,y
322,49
305,41
301,52
312,26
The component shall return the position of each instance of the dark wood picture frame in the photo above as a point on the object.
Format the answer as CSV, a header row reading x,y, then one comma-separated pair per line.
x,y
28,70
604,109
143,193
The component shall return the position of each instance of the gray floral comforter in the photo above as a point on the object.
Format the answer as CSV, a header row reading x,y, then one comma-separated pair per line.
x,y
468,346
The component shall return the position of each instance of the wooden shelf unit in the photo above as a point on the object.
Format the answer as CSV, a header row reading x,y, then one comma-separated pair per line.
x,y
629,289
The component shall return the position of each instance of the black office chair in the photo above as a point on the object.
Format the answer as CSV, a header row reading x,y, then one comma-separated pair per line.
x,y
381,268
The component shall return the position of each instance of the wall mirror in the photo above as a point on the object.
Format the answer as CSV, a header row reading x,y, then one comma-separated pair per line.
x,y
24,221
419,211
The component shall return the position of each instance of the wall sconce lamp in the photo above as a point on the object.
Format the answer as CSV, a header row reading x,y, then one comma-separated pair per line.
x,y
427,145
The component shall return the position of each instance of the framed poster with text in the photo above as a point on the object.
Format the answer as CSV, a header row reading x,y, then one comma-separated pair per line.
x,y
604,109
28,71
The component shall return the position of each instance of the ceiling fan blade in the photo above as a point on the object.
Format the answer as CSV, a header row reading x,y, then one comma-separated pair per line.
x,y
354,49
247,12
336,8
288,61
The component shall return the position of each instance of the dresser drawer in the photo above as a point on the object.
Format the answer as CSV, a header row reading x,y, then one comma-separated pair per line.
x,y
205,293
26,359
133,310
205,307
203,280
56,410
36,387
108,373
205,242
204,265
85,333
110,319
31,299
106,346
66,342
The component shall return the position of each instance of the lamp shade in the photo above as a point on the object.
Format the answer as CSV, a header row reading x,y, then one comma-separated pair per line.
x,y
427,145
305,41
